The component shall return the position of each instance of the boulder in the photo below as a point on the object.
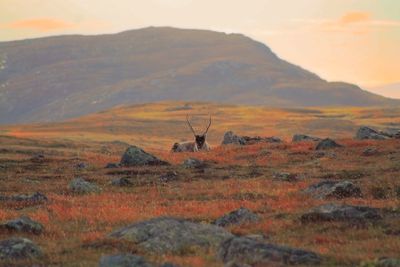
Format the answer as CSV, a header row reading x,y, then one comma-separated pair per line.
x,y
365,132
231,138
23,224
172,235
237,217
135,156
80,186
18,249
334,189
122,182
305,138
123,260
192,163
327,144
335,212
243,250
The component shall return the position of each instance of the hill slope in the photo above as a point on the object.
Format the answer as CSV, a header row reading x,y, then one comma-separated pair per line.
x,y
49,79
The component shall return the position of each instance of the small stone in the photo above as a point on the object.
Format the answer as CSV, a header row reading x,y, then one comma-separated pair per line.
x,y
237,217
334,189
123,182
80,186
370,152
31,198
231,138
327,144
193,163
388,262
112,165
18,249
287,177
123,260
23,224
365,132
305,138
135,156
169,177
81,165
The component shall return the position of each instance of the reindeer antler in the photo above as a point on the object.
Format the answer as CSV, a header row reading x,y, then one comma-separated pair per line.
x,y
208,127
190,126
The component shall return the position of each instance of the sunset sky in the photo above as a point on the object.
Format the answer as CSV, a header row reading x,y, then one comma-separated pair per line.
x,y
351,40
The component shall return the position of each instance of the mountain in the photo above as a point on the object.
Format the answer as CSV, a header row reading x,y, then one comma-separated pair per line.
x,y
389,90
55,78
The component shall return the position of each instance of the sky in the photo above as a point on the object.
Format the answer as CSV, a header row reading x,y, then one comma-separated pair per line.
x,y
355,41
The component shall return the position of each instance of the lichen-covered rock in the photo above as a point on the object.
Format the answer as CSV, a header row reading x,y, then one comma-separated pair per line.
x,y
80,186
135,156
305,138
172,235
192,163
327,144
237,217
123,260
231,138
346,213
334,189
365,132
23,224
122,182
18,249
242,250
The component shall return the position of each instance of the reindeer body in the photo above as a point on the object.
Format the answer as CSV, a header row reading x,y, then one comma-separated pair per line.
x,y
200,142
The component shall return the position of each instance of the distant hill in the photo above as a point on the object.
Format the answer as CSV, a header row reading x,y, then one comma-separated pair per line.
x,y
389,90
55,78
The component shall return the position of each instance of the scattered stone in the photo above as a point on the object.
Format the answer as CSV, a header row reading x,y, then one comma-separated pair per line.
x,y
34,198
242,250
123,260
81,165
135,156
169,177
192,163
18,248
335,212
80,186
287,177
231,138
23,224
305,138
122,182
327,144
334,189
371,151
365,132
172,235
388,262
112,165
237,217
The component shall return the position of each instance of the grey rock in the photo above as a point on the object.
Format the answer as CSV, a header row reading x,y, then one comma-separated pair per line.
x,y
192,163
122,182
237,217
287,177
123,260
23,224
305,138
335,212
242,250
34,198
169,177
388,262
334,189
365,132
231,138
327,144
172,235
135,156
82,165
18,248
80,186
169,264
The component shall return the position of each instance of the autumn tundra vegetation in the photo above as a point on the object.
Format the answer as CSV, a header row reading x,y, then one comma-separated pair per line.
x,y
305,187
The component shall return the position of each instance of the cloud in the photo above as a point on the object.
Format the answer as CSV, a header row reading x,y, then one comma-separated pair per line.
x,y
40,24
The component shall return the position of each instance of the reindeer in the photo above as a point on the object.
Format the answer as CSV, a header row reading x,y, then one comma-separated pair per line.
x,y
200,142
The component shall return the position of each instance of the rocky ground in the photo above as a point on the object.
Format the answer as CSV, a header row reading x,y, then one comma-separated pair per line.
x,y
262,202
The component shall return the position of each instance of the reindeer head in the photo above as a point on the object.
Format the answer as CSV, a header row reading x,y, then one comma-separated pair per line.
x,y
200,139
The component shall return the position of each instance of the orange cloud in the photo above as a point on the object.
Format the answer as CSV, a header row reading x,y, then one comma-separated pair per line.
x,y
355,17
42,24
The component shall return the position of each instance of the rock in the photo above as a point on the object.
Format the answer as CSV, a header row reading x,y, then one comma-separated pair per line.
x,y
237,217
18,248
172,235
123,260
334,189
123,182
112,165
327,144
81,165
365,132
388,262
23,224
371,151
231,138
236,264
135,156
34,198
287,177
169,264
38,158
169,177
192,163
80,186
335,212
305,138
242,250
